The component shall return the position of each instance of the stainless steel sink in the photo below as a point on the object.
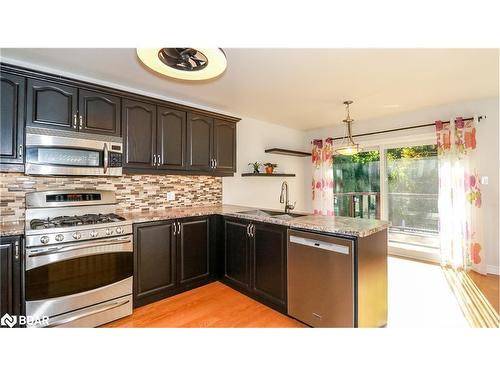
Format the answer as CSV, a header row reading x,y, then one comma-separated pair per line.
x,y
274,214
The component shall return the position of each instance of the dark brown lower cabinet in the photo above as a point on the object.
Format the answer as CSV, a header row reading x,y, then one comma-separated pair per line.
x,y
171,257
255,261
193,250
268,264
154,261
10,275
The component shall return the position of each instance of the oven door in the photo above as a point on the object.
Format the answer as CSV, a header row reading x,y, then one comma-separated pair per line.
x,y
53,154
64,278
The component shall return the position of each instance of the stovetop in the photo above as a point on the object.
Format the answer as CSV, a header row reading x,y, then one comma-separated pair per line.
x,y
76,220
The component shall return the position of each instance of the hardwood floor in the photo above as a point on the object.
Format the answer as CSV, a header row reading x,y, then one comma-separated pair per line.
x,y
488,284
212,305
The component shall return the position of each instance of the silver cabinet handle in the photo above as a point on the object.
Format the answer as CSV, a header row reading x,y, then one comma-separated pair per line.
x,y
178,228
20,151
215,163
81,123
154,160
16,250
248,230
158,160
74,121
103,308
106,158
252,230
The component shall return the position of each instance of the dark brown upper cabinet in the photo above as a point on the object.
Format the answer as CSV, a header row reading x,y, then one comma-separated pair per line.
x,y
59,106
11,118
200,142
99,113
51,105
224,149
171,139
139,134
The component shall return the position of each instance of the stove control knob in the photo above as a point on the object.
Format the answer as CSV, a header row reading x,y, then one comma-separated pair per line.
x,y
119,230
77,235
93,234
59,237
44,239
109,232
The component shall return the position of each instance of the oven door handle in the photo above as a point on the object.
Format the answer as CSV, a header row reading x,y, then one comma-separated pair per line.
x,y
106,160
107,307
64,249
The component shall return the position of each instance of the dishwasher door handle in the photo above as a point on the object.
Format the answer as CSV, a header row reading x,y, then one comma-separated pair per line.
x,y
337,248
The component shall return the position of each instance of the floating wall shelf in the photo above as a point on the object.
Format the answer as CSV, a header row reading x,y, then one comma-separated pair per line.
x,y
283,151
268,175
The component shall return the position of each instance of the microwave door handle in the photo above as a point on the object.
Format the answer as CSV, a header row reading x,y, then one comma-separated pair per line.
x,y
106,160
64,249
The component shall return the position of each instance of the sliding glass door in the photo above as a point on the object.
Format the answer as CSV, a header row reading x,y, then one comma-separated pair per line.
x,y
395,182
411,197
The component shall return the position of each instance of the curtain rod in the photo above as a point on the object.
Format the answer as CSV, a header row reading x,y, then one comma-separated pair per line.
x,y
406,128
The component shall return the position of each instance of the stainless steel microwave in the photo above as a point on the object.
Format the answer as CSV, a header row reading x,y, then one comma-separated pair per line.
x,y
67,153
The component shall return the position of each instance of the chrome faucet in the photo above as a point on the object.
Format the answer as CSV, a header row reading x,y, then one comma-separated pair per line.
x,y
284,198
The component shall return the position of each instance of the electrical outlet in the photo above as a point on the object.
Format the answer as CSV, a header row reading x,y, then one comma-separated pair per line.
x,y
170,196
484,180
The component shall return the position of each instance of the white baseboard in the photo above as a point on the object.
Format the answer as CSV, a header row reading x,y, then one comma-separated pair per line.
x,y
495,270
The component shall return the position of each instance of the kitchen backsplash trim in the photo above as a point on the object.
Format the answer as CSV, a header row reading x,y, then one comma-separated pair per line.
x,y
133,192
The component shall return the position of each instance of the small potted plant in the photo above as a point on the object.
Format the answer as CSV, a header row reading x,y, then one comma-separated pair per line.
x,y
255,166
270,167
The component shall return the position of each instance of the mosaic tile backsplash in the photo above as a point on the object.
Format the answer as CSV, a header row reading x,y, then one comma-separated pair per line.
x,y
133,192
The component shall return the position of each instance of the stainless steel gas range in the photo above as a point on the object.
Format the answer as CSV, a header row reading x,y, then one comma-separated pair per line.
x,y
79,258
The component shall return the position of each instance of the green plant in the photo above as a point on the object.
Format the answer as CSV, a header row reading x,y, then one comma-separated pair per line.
x,y
271,165
255,166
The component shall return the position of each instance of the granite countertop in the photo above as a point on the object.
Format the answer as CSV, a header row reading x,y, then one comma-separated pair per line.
x,y
326,224
11,228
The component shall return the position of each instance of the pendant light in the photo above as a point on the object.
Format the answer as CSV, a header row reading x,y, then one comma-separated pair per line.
x,y
349,148
192,64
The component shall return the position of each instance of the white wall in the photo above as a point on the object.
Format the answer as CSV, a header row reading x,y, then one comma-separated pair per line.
x,y
254,137
488,153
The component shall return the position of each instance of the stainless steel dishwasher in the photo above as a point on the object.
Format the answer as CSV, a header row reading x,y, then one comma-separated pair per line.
x,y
320,279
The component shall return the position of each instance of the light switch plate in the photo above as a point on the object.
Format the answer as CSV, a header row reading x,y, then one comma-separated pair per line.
x,y
170,196
484,180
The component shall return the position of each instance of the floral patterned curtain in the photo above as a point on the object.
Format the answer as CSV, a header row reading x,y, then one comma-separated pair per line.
x,y
459,196
322,182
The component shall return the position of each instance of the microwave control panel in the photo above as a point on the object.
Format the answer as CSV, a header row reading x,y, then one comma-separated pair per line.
x,y
115,159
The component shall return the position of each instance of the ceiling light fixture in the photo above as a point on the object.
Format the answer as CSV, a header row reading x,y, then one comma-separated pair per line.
x,y
350,148
192,64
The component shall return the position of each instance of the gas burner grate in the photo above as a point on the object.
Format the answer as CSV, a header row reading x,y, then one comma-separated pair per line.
x,y
71,221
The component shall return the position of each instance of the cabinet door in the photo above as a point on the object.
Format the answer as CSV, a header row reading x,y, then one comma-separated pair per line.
x,y
199,142
171,138
154,261
225,146
139,132
51,105
194,250
99,113
10,275
236,247
11,118
268,264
